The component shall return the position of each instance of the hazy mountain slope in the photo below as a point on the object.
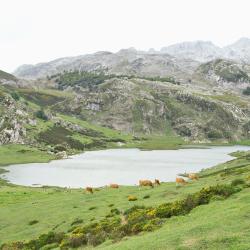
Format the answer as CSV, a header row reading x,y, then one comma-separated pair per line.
x,y
203,51
177,60
128,62
240,50
199,50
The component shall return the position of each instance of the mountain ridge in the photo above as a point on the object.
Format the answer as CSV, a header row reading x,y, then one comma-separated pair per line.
x,y
170,60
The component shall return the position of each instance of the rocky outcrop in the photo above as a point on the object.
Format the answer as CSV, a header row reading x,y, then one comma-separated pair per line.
x,y
12,121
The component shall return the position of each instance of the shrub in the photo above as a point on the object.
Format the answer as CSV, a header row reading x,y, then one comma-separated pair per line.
x,y
74,241
59,148
132,198
32,222
132,209
115,211
44,240
214,134
246,91
13,246
50,246
92,208
164,210
77,221
15,96
41,115
237,182
146,196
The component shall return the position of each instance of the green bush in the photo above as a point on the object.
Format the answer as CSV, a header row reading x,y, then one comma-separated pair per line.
x,y
246,91
32,222
50,246
132,198
41,115
74,241
77,221
15,96
44,240
214,134
237,182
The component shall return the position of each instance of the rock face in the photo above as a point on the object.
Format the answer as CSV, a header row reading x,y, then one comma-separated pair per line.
x,y
226,73
12,122
200,51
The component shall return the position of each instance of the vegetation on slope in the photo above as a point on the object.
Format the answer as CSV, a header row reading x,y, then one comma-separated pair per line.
x,y
87,79
226,70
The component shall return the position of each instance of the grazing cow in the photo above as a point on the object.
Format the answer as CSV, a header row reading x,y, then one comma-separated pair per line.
x,y
193,176
179,180
157,182
114,185
146,183
89,190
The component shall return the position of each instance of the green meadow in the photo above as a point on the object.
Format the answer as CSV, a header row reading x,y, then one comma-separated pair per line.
x,y
26,213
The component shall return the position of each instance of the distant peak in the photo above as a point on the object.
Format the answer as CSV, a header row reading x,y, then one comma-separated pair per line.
x,y
244,41
131,49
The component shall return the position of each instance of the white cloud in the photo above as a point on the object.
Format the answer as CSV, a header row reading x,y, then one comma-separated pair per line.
x,y
34,31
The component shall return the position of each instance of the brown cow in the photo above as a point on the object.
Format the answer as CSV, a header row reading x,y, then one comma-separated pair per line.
x,y
89,190
157,182
193,176
179,180
146,183
114,185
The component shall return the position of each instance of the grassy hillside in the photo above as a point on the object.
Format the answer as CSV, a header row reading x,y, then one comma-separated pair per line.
x,y
223,223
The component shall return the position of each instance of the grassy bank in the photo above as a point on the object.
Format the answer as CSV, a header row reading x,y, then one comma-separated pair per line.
x,y
56,209
18,154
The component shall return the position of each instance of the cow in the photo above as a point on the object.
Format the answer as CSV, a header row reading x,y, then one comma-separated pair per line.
x,y
157,182
114,185
146,183
193,176
89,190
180,180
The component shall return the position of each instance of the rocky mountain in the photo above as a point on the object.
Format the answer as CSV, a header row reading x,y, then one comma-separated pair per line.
x,y
124,62
199,50
204,51
226,73
178,60
56,116
239,51
145,107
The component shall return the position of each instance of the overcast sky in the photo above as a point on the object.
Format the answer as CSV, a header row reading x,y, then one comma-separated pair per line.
x,y
33,31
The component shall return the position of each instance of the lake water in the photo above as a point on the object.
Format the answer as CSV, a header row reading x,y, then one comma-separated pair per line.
x,y
122,166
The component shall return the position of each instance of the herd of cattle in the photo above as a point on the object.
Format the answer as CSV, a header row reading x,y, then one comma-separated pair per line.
x,y
145,183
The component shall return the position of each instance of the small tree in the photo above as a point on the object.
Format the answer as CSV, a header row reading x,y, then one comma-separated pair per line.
x,y
41,115
15,96
246,91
